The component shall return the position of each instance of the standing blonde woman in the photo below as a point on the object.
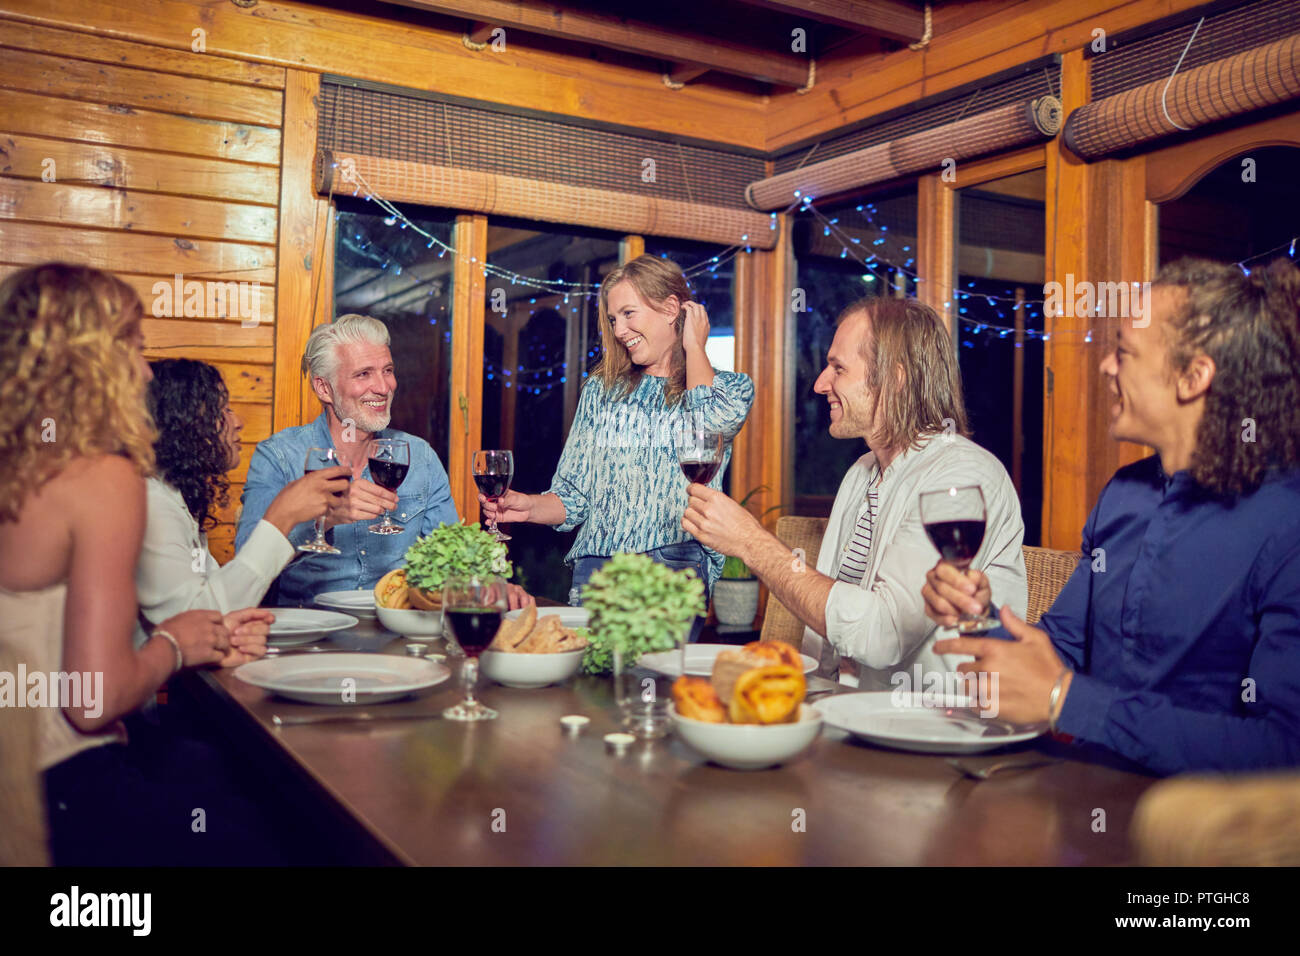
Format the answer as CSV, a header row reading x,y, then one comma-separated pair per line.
x,y
618,481
77,443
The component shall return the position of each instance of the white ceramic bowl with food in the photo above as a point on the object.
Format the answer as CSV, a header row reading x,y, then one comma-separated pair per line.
x,y
417,625
749,746
529,671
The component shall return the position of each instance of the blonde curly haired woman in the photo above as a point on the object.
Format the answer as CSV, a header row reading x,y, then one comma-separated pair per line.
x,y
77,444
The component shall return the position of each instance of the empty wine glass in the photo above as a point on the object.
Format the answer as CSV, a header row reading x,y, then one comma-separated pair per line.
x,y
954,518
319,459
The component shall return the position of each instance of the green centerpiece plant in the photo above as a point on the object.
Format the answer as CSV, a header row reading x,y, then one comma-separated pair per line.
x,y
638,606
454,550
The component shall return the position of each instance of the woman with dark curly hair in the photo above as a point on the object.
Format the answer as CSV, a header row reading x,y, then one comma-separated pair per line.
x,y
198,442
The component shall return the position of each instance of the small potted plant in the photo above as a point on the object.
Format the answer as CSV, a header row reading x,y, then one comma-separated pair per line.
x,y
735,593
637,607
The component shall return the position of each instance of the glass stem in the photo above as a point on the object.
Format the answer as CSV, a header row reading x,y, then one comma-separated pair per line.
x,y
469,674
320,530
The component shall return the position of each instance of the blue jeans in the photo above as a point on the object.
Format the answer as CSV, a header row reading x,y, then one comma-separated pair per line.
x,y
687,554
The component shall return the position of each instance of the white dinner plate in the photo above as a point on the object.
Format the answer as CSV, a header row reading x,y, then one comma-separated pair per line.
x,y
699,660
570,617
298,625
343,678
932,724
359,603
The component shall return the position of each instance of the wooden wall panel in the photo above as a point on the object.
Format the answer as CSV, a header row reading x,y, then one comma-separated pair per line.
x,y
57,203
150,163
372,47
109,125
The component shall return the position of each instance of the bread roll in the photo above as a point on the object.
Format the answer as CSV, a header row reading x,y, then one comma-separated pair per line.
x,y
694,697
727,668
768,695
776,652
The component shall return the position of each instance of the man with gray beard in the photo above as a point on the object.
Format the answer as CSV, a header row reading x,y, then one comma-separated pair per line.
x,y
351,371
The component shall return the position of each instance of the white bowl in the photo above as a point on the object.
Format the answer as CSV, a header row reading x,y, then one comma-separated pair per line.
x,y
411,623
530,670
749,746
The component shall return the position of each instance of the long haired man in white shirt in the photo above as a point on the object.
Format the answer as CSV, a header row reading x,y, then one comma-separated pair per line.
x,y
891,380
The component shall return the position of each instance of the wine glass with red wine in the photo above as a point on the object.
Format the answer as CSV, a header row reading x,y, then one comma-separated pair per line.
x,y
954,519
319,459
699,452
493,471
390,460
472,608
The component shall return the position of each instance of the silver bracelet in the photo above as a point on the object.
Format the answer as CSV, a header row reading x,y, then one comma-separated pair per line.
x,y
1052,715
180,658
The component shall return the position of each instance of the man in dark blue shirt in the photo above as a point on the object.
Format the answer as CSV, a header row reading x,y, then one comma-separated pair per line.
x,y
1176,642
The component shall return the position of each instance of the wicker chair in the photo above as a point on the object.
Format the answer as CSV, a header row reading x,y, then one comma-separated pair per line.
x,y
1047,571
22,833
1220,821
794,532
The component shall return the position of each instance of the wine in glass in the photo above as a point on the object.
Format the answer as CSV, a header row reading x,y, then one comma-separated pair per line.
x,y
472,608
954,520
390,459
699,452
319,459
493,471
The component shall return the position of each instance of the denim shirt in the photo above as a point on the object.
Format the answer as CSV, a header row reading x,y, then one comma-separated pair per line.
x,y
424,502
1182,624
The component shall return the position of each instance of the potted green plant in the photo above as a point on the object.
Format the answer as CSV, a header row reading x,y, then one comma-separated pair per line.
x,y
454,550
735,593
637,607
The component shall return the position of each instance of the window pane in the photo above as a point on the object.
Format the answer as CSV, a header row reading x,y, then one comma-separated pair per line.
x,y
1000,262
391,273
711,275
538,344
844,252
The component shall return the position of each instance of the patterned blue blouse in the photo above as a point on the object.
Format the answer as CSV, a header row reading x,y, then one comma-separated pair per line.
x,y
619,478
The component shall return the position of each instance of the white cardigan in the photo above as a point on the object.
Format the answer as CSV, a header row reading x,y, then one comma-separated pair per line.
x,y
881,623
178,573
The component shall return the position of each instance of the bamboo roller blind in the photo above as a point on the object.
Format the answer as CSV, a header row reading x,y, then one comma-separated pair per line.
x,y
1005,127
494,193
412,147
1232,86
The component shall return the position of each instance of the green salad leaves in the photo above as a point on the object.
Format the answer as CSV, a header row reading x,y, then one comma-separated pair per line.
x,y
455,550
639,605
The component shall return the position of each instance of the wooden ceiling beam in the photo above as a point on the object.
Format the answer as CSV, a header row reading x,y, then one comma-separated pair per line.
x,y
644,38
479,32
887,18
685,72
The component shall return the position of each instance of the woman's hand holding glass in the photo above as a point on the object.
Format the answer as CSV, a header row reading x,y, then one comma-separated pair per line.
x,y
513,507
308,498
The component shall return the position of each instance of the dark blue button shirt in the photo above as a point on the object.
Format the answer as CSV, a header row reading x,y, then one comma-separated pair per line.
x,y
424,502
1186,647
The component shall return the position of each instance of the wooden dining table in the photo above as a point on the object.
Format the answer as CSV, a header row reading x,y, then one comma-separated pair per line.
x,y
520,790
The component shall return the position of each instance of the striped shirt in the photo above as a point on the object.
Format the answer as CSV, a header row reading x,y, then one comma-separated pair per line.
x,y
857,552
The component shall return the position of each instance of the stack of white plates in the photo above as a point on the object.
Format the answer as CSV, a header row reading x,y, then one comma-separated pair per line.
x,y
360,603
296,625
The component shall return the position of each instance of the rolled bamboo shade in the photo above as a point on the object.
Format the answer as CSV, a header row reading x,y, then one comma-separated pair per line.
x,y
1015,124
493,193
1250,80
